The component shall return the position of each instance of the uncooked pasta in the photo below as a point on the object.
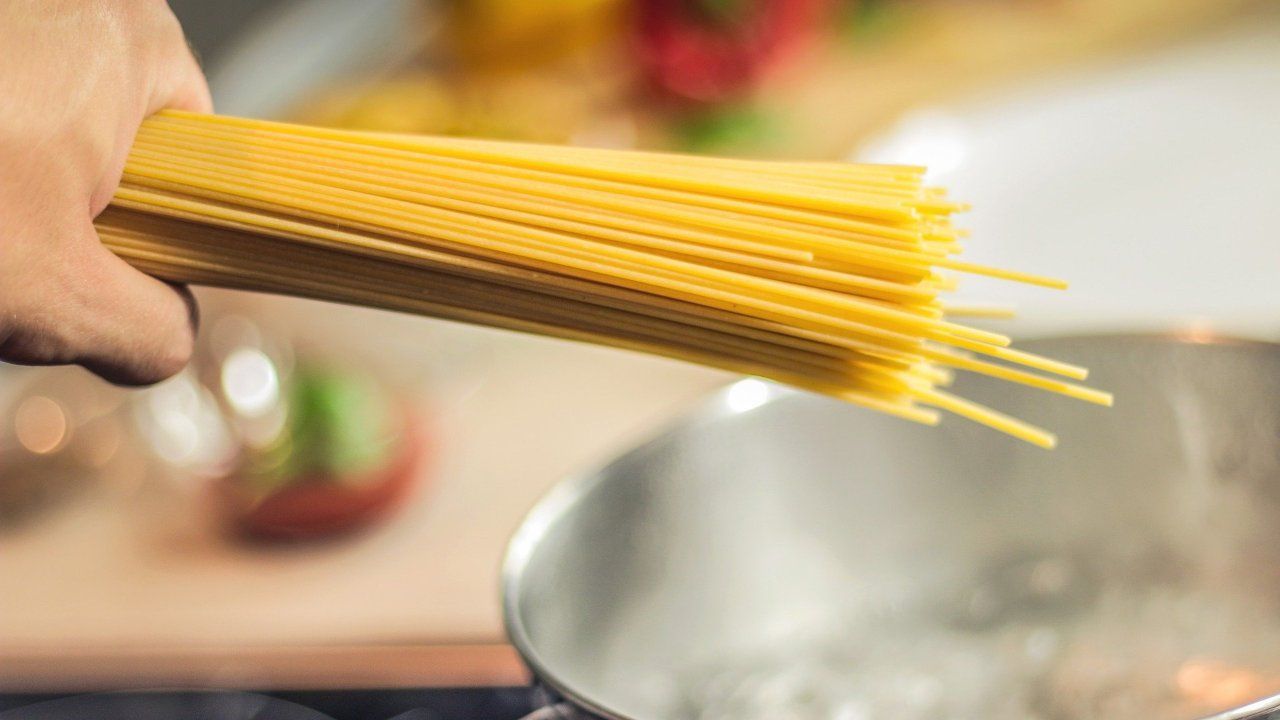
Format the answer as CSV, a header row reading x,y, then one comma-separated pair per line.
x,y
823,275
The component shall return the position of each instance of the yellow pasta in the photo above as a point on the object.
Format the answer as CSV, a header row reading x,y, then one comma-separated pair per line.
x,y
821,275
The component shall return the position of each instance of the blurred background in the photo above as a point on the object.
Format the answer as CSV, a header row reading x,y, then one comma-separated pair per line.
x,y
323,498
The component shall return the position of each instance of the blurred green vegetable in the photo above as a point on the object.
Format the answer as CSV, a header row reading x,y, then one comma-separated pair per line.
x,y
338,427
727,130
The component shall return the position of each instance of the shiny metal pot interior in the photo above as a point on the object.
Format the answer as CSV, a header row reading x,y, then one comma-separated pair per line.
x,y
783,555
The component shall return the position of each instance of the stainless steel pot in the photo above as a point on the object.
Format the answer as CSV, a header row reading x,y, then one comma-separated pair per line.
x,y
781,555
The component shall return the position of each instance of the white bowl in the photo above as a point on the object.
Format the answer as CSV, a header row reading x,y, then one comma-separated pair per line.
x,y
1149,185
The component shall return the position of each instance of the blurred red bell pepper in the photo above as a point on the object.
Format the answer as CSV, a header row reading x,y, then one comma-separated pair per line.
x,y
316,507
347,457
710,51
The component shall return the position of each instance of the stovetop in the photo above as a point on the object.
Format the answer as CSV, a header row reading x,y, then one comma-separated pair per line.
x,y
497,703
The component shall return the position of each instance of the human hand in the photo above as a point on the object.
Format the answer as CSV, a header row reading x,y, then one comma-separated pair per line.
x,y
77,78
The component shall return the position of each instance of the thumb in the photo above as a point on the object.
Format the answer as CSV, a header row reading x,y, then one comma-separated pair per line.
x,y
145,328
89,307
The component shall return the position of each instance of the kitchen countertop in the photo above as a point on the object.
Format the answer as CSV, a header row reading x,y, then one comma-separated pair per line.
x,y
144,587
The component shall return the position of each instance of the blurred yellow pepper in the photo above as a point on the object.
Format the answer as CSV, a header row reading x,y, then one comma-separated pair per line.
x,y
507,35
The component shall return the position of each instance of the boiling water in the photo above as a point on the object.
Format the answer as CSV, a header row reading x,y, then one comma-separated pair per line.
x,y
1035,640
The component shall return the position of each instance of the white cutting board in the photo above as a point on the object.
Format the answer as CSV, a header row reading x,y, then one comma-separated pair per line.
x,y
1152,186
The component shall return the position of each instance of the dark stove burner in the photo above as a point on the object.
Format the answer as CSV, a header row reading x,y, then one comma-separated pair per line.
x,y
425,704
165,706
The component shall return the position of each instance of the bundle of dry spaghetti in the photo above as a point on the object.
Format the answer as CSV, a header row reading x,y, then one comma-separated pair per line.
x,y
825,276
